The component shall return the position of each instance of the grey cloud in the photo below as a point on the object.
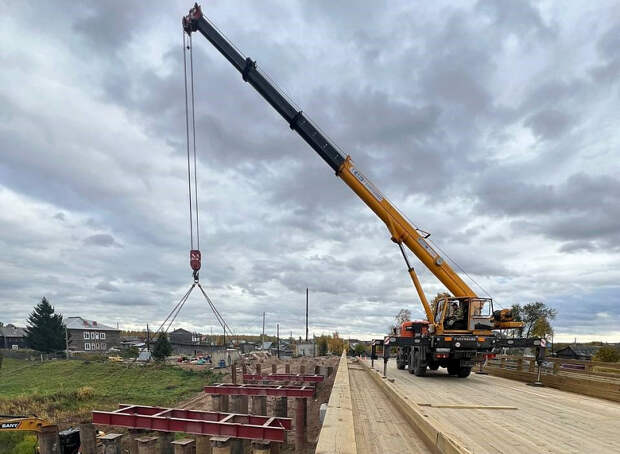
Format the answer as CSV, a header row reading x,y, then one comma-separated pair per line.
x,y
518,17
107,287
424,98
549,124
580,192
101,239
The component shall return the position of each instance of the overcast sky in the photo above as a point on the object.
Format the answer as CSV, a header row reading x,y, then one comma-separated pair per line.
x,y
492,125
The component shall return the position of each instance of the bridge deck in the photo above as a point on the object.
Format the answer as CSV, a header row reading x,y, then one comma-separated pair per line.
x,y
546,420
379,426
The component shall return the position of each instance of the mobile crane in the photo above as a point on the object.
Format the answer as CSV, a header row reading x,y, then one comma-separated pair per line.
x,y
459,330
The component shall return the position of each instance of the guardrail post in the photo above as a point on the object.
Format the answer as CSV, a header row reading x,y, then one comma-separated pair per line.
x,y
48,440
556,367
238,446
532,365
88,439
502,363
520,364
302,370
261,447
184,446
588,368
274,368
233,372
203,444
300,424
147,445
239,404
287,368
165,440
281,410
111,443
221,445
259,405
258,369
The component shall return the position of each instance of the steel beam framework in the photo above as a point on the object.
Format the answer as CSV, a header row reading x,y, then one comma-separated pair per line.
x,y
195,422
260,390
284,377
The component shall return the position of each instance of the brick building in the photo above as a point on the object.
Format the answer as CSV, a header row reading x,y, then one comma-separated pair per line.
x,y
89,335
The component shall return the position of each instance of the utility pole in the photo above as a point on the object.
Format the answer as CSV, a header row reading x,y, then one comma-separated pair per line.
x,y
278,338
66,343
148,338
306,314
263,335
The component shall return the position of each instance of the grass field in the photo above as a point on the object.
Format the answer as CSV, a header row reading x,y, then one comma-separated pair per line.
x,y
66,391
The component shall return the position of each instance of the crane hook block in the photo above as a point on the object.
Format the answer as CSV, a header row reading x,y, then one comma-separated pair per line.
x,y
194,259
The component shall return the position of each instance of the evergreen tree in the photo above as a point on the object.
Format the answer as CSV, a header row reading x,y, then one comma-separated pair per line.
x,y
162,348
45,331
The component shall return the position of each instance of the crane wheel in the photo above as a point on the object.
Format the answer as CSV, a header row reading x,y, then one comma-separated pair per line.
x,y
453,369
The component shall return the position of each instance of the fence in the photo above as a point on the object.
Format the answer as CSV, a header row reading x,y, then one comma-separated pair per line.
x,y
558,366
590,378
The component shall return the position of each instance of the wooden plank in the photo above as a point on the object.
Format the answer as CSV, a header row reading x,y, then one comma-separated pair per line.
x,y
465,406
338,433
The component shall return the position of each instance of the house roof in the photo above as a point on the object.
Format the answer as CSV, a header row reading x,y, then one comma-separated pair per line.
x,y
12,331
82,323
581,350
180,331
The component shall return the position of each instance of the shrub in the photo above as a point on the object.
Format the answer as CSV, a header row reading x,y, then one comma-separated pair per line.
x,y
85,393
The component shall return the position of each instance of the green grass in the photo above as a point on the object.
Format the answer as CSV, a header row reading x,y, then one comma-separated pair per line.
x,y
66,391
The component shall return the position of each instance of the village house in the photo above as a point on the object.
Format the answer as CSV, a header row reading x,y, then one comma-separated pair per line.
x,y
90,336
12,337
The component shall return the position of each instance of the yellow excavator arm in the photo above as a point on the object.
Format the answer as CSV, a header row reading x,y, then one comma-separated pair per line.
x,y
22,423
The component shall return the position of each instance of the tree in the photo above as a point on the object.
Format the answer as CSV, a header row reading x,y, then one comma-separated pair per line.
x,y
335,343
403,315
530,313
607,354
542,328
45,331
359,349
162,348
322,345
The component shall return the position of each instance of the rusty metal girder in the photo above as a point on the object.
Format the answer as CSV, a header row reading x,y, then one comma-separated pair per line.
x,y
195,422
284,377
260,390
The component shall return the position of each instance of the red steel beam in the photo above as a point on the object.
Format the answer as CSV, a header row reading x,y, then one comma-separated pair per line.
x,y
260,390
284,377
195,422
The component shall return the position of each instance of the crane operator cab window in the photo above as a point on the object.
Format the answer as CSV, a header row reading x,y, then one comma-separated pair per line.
x,y
456,317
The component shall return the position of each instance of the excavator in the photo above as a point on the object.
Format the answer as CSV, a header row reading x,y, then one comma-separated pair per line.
x,y
68,440
459,330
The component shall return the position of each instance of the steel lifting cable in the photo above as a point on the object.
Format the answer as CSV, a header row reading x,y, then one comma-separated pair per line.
x,y
189,176
194,229
191,72
219,317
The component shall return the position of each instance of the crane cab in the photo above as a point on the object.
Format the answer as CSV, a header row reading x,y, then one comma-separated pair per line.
x,y
464,315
